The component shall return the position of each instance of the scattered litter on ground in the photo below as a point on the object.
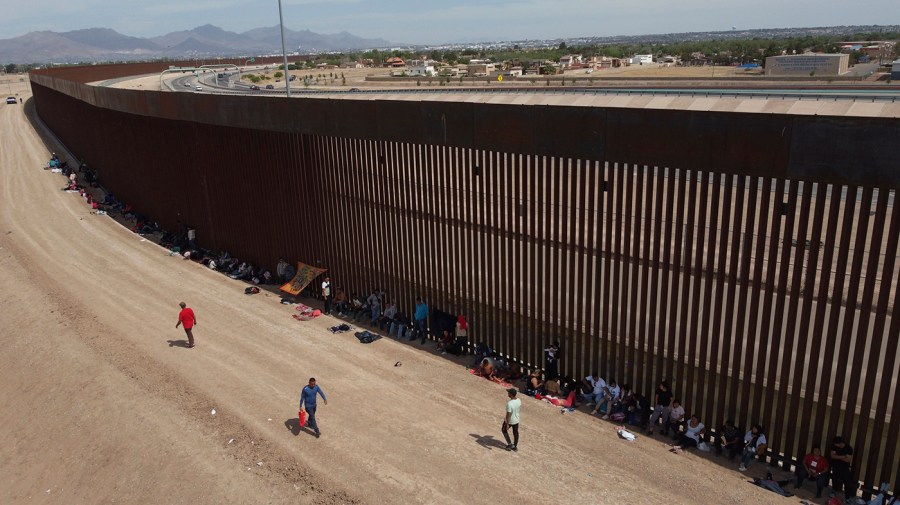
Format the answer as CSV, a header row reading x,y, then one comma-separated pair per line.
x,y
212,412
625,434
230,441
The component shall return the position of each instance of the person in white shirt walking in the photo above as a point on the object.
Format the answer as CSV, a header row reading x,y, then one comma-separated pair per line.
x,y
513,406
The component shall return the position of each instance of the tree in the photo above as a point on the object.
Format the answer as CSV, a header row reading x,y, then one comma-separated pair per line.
x,y
278,75
10,68
563,46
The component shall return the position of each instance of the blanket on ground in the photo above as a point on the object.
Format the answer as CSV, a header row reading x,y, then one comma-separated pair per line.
x,y
772,485
569,402
306,313
367,337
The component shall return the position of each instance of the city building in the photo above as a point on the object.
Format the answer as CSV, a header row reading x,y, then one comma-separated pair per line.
x,y
423,68
642,59
481,69
808,64
569,60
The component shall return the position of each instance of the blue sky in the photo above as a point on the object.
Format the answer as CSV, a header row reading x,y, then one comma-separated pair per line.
x,y
427,22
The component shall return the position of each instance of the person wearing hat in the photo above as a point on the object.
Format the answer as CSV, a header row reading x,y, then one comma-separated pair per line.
x,y
513,406
841,474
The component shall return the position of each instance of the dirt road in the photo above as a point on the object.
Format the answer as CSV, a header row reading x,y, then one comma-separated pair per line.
x,y
103,404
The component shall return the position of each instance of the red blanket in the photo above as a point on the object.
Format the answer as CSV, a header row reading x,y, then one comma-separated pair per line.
x,y
570,400
477,372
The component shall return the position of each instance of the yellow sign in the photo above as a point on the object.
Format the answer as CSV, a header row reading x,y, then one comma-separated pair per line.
x,y
499,78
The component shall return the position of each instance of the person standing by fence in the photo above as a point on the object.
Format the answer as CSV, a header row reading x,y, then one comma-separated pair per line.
x,y
326,294
420,323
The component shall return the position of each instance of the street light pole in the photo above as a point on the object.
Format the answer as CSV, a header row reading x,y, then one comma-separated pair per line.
x,y
287,82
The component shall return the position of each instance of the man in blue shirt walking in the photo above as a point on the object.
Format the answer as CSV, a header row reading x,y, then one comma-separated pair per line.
x,y
308,403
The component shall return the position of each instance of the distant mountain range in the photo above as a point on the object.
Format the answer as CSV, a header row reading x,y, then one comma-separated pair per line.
x,y
104,44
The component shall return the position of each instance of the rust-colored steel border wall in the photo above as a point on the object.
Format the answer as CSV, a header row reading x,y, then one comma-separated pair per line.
x,y
750,259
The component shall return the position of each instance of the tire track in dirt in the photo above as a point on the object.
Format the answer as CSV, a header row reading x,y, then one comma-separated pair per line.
x,y
156,378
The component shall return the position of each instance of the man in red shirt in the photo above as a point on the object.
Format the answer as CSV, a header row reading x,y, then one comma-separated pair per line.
x,y
186,317
814,467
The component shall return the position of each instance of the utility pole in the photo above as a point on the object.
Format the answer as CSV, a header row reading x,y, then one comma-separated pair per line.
x,y
287,81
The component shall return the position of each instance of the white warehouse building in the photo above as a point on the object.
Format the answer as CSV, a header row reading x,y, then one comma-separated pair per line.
x,y
642,59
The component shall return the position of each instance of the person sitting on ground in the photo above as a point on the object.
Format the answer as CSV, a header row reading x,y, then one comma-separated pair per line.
x,y
354,305
595,387
754,446
237,272
612,395
627,399
445,344
729,439
487,368
128,212
340,300
281,269
813,467
367,306
501,368
693,434
676,419
533,384
289,272
638,413
230,265
661,407
482,350
401,323
513,372
387,317
245,272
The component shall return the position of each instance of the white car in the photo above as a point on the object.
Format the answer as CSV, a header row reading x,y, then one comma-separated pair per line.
x,y
11,100
199,88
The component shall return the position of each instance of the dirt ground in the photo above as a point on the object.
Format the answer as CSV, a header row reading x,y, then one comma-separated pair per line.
x,y
102,403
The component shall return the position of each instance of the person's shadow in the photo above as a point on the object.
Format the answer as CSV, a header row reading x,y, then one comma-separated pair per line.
x,y
488,441
293,425
178,343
